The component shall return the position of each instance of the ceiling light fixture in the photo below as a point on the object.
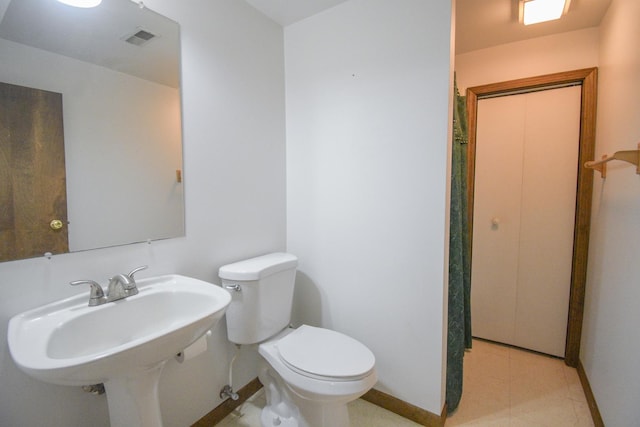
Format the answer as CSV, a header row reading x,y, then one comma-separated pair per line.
x,y
81,3
535,11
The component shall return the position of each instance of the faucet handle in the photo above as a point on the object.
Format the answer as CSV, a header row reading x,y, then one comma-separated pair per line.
x,y
131,287
96,296
135,270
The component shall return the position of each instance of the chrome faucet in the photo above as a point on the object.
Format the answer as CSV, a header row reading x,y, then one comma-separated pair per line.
x,y
120,286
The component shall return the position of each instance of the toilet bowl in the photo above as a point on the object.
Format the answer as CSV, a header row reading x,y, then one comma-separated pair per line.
x,y
319,354
314,370
309,373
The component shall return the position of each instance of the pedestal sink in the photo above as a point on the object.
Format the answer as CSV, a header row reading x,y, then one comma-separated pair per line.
x,y
123,344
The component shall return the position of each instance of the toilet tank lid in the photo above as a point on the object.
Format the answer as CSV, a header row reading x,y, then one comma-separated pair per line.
x,y
259,267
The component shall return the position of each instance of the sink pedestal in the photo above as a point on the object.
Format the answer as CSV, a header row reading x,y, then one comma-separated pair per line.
x,y
133,399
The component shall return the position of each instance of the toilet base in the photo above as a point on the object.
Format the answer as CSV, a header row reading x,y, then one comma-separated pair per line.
x,y
280,409
336,417
286,408
269,418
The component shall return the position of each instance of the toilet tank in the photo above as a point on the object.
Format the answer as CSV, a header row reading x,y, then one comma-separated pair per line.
x,y
261,296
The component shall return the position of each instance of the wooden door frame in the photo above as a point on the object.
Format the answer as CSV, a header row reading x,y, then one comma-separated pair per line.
x,y
587,79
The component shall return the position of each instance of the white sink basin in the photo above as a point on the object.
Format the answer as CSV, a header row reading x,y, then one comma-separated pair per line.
x,y
69,343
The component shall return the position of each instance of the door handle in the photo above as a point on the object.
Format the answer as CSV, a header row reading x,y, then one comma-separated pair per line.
x,y
56,224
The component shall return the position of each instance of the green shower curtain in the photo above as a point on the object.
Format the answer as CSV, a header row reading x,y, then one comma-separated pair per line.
x,y
459,322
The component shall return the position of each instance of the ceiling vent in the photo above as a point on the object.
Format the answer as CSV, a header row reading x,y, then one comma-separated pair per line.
x,y
140,37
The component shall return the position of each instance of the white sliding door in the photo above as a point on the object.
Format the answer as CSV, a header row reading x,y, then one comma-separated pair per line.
x,y
524,212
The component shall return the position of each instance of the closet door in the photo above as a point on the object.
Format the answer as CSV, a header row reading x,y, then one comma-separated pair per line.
x,y
524,212
496,217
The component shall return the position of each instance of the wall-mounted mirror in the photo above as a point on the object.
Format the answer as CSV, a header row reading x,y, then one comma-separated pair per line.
x,y
103,83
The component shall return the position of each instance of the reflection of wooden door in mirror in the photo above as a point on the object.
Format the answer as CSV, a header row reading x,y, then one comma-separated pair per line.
x,y
32,173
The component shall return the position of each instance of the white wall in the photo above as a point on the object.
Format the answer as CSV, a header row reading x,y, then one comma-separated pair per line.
x,y
610,346
543,55
368,86
122,147
234,160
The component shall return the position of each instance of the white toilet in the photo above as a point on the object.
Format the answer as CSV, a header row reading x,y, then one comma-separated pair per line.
x,y
309,374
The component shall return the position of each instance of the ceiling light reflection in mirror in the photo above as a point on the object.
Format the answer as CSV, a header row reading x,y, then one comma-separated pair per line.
x,y
81,3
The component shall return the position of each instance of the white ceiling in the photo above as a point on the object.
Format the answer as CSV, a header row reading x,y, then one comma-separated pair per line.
x,y
479,23
286,12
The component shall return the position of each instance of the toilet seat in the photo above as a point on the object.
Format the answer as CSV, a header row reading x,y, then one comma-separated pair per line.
x,y
324,354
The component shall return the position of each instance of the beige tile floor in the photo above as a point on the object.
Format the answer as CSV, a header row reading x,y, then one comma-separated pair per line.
x,y
509,387
502,387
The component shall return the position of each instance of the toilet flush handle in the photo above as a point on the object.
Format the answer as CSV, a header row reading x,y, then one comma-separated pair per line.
x,y
232,287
